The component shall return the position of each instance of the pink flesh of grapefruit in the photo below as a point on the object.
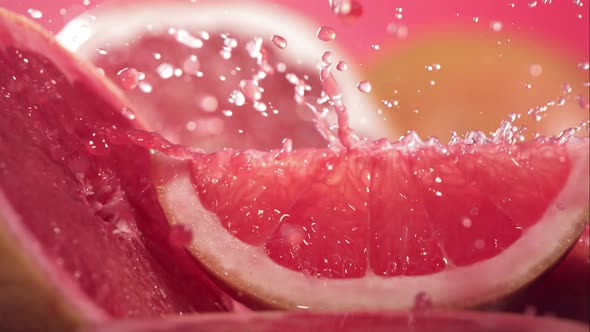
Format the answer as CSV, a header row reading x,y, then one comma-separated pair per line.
x,y
69,202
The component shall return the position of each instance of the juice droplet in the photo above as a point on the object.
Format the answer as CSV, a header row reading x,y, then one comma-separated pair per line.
x,y
36,14
165,70
346,135
128,78
191,65
364,86
279,41
583,102
397,30
251,89
180,236
422,302
326,34
128,113
346,8
342,66
287,145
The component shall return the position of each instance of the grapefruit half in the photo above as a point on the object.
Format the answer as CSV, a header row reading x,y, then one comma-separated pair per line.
x,y
210,76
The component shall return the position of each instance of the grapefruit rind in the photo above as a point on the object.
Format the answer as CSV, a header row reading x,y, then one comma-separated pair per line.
x,y
249,269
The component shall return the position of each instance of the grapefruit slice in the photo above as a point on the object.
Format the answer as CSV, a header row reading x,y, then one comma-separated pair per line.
x,y
455,321
210,76
371,227
75,246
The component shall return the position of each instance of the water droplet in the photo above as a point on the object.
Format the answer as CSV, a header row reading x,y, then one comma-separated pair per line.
x,y
397,29
364,86
327,58
466,222
101,51
191,65
165,70
185,38
422,302
342,66
496,26
287,145
584,66
536,70
237,98
128,78
128,113
346,8
145,87
208,103
528,85
251,89
532,4
180,236
326,34
583,102
36,14
279,41
567,88
376,47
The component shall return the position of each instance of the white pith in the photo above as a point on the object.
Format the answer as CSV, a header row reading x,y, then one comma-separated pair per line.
x,y
84,34
252,271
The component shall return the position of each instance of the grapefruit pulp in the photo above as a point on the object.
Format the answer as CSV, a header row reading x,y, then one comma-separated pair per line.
x,y
75,246
373,226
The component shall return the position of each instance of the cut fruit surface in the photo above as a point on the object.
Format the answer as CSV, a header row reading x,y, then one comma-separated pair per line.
x,y
372,227
75,246
351,322
208,75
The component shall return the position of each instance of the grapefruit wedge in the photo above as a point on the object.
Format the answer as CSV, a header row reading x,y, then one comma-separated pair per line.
x,y
76,245
375,226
